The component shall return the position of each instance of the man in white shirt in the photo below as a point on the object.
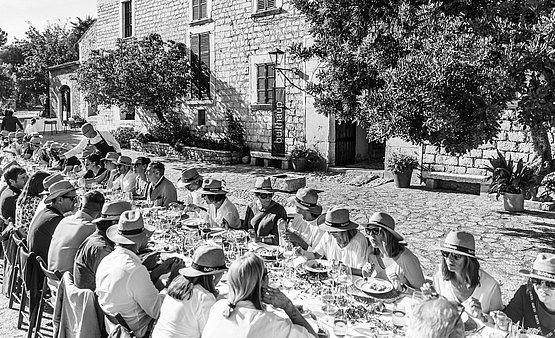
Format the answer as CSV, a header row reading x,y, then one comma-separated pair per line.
x,y
123,284
222,212
127,179
304,228
192,181
103,140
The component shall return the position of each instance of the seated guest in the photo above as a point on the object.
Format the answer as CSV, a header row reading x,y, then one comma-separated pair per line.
x,y
435,318
161,191
42,155
97,246
139,168
31,147
72,231
220,209
192,181
244,314
533,304
126,179
395,261
95,173
123,284
110,164
305,231
264,213
29,199
191,295
61,198
15,177
342,241
48,181
460,279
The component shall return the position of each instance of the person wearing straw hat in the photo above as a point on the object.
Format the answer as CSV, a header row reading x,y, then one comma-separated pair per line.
x,y
342,241
60,199
460,279
263,214
220,209
191,295
103,140
97,246
533,304
161,191
48,181
110,164
31,148
304,229
127,179
123,284
192,181
395,261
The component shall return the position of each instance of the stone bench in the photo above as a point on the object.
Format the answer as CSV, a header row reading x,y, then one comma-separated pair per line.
x,y
267,157
436,179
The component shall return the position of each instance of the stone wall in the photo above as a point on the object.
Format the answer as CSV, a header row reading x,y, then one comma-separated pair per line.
x,y
63,75
189,153
87,42
513,142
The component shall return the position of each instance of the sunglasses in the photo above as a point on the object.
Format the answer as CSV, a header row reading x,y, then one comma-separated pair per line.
x,y
73,198
538,282
372,231
454,255
263,196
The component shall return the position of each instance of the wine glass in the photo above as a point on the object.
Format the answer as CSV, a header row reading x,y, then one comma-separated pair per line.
x,y
328,297
333,272
344,274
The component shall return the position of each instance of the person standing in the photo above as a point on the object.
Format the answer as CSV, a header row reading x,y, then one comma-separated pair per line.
x,y
103,140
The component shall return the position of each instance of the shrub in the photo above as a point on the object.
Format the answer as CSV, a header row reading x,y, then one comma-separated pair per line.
x,y
400,163
316,161
510,178
124,134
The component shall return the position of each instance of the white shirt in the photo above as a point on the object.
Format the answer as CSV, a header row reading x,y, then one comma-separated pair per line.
x,y
184,318
308,230
123,286
106,135
248,322
227,211
355,254
126,183
487,292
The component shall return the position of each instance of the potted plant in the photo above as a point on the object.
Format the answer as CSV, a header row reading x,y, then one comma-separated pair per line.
x,y
401,166
299,158
512,181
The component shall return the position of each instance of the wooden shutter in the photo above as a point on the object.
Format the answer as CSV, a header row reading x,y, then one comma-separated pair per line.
x,y
196,11
204,56
270,4
127,19
195,65
261,5
203,11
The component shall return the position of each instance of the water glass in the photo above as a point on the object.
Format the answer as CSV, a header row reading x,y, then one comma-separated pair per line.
x,y
344,275
399,317
328,298
340,325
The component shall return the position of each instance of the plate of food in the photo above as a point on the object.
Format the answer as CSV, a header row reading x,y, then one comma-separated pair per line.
x,y
317,266
269,252
193,222
373,285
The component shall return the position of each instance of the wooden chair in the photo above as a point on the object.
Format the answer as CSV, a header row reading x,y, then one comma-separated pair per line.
x,y
47,296
15,278
27,306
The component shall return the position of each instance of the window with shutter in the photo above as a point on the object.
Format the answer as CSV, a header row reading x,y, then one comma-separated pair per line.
x,y
127,17
264,5
265,83
200,10
200,66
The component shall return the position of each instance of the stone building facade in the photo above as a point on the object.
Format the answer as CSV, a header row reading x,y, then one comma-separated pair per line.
x,y
65,99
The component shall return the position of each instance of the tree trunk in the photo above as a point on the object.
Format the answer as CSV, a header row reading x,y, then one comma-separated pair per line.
x,y
540,140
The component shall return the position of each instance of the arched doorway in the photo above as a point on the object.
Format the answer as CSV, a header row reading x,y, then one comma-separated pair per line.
x,y
65,107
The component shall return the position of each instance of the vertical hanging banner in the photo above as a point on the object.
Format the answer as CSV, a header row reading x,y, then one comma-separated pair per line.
x,y
278,124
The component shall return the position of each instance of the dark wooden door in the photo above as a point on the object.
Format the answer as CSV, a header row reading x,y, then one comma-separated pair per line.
x,y
345,143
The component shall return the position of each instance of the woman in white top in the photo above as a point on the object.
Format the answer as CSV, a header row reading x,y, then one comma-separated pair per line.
x,y
191,295
222,212
395,261
245,315
460,279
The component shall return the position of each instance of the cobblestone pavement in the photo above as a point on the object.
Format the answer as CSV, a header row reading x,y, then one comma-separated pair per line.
x,y
507,242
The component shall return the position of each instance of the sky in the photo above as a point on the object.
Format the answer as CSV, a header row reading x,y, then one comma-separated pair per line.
x,y
15,15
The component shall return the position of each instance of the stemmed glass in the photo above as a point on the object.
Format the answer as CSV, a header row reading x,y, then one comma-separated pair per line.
x,y
333,272
328,297
344,274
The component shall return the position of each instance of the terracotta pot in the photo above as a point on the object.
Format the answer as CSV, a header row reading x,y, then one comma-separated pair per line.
x,y
402,180
299,164
513,202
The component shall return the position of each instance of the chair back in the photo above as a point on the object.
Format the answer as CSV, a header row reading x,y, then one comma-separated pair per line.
x,y
52,275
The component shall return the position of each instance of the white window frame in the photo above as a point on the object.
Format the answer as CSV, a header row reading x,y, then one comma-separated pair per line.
x,y
254,61
121,14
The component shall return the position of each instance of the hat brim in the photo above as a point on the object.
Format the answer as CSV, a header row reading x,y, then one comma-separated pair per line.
x,y
324,227
113,234
190,272
391,231
317,209
528,273
110,218
181,184
125,164
56,194
215,192
441,248
263,191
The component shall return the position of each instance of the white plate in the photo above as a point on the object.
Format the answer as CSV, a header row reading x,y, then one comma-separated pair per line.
x,y
369,285
317,266
193,222
269,252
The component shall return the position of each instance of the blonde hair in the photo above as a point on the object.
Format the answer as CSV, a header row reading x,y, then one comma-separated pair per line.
x,y
245,278
435,318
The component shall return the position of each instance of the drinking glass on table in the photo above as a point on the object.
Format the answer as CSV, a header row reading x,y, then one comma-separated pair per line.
x,y
344,275
328,298
333,272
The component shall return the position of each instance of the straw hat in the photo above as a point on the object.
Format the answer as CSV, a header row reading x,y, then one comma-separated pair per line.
x,y
112,211
125,160
460,242
11,134
35,140
212,187
55,146
130,229
188,176
51,179
87,127
263,185
207,260
337,219
543,268
307,199
19,134
385,222
4,133
58,189
111,156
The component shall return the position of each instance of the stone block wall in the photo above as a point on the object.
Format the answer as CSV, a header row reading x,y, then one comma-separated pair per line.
x,y
61,76
189,153
513,142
